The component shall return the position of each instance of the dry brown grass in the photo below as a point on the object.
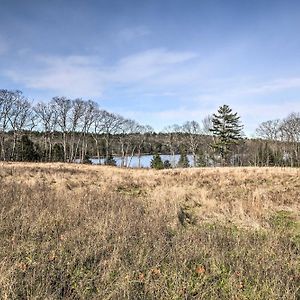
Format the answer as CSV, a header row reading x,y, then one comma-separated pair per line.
x,y
92,232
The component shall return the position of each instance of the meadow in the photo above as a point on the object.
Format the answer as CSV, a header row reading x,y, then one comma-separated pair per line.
x,y
72,231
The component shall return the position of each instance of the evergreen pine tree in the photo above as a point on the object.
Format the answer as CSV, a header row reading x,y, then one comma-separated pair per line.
x,y
156,162
26,150
183,160
58,153
201,159
226,130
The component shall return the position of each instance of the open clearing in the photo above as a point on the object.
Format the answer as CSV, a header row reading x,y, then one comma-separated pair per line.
x,y
95,232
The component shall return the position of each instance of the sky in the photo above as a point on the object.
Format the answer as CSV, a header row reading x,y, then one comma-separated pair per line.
x,y
160,62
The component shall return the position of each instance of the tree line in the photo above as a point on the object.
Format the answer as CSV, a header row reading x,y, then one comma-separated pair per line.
x,y
70,130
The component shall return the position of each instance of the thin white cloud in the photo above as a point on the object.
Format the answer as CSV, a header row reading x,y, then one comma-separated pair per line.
x,y
73,76
157,57
148,64
267,111
84,76
160,119
160,74
237,90
251,115
240,87
273,86
131,33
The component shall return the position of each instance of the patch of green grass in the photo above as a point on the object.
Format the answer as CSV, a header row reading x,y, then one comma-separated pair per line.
x,y
284,220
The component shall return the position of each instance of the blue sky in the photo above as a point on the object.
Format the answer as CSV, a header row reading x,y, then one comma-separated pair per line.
x,y
158,62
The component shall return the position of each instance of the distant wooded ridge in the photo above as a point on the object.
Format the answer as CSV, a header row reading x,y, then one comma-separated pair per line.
x,y
66,130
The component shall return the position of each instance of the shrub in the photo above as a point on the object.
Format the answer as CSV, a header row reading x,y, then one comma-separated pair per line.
x,y
27,150
110,161
87,160
183,160
167,164
156,162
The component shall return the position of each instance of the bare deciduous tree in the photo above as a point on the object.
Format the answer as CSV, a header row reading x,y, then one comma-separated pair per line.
x,y
76,114
19,118
269,130
88,118
62,107
172,140
127,130
290,128
143,131
207,124
7,100
193,131
47,117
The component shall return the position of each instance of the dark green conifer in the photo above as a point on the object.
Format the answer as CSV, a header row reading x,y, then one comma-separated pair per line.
x,y
226,129
183,160
201,159
156,162
27,150
57,153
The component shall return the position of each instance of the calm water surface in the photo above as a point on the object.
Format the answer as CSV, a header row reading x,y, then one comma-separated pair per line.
x,y
145,160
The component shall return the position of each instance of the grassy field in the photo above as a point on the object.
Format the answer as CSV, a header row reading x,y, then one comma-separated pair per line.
x,y
93,232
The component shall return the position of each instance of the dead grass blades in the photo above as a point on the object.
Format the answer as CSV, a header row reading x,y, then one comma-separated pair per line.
x,y
92,232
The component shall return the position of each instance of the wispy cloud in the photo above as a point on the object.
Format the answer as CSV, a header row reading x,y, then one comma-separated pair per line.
x,y
160,69
148,65
236,90
74,76
176,77
251,115
272,86
131,33
85,76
